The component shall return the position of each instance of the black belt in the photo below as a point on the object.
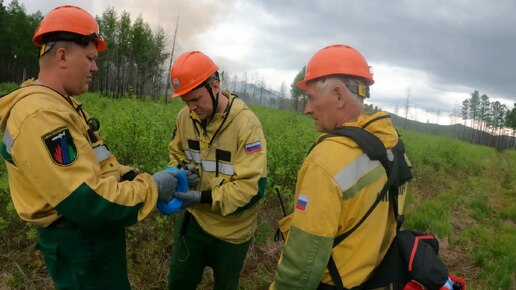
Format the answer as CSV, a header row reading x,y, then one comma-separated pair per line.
x,y
61,223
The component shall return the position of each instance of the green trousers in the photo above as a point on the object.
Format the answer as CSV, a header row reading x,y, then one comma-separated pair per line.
x,y
194,249
78,258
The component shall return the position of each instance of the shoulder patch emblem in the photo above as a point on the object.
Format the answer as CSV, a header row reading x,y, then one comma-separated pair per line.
x,y
60,145
253,147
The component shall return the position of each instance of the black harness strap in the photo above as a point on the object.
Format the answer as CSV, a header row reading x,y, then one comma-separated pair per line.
x,y
373,147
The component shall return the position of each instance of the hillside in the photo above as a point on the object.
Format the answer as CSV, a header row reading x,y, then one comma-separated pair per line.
x,y
463,193
458,131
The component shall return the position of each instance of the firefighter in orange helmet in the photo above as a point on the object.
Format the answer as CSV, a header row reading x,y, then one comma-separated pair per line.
x,y
337,183
62,176
217,134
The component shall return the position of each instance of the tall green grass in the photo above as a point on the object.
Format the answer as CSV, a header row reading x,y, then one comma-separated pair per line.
x,y
467,197
464,194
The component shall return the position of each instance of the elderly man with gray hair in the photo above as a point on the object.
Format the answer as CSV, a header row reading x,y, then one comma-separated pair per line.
x,y
337,183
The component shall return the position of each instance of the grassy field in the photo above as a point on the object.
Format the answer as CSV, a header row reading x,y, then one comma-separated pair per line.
x,y
465,194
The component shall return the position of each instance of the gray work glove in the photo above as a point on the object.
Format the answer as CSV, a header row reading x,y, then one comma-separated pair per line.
x,y
192,174
189,198
166,182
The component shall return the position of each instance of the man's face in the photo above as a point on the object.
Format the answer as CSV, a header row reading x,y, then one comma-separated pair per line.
x,y
199,101
322,107
80,66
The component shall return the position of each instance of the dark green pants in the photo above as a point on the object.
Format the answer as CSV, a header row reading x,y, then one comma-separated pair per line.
x,y
77,258
195,250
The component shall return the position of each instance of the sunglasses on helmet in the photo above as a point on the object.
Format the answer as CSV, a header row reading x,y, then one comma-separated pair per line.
x,y
50,39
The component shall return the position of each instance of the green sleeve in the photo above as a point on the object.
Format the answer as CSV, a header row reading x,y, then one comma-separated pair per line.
x,y
304,260
87,208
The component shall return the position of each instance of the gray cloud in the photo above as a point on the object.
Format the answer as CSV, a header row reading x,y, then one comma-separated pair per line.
x,y
461,45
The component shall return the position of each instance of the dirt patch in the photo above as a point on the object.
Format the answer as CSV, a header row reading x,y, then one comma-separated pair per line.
x,y
457,258
457,261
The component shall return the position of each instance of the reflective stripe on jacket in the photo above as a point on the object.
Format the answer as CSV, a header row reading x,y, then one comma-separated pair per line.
x,y
230,154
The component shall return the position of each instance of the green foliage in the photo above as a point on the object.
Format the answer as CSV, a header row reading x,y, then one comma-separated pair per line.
x,y
480,207
296,93
463,193
18,56
135,53
289,136
509,213
371,109
494,253
7,87
511,118
15,281
137,137
431,216
263,232
486,119
443,155
134,59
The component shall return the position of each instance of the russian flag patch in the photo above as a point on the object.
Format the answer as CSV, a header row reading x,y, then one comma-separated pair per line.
x,y
253,147
302,202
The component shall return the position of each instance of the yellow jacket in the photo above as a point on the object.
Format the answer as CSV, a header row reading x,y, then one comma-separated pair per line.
x,y
336,185
56,168
230,154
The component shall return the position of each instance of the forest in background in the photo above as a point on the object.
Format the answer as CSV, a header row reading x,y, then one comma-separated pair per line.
x,y
463,193
136,65
137,62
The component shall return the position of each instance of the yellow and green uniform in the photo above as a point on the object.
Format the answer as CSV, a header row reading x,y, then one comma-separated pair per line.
x,y
60,170
336,185
230,154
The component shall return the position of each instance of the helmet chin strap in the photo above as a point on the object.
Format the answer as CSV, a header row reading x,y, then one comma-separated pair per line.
x,y
214,100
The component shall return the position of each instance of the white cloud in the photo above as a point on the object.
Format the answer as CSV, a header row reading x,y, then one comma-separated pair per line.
x,y
227,43
442,57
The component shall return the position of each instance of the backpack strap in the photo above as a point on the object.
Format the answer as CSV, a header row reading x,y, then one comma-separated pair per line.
x,y
373,147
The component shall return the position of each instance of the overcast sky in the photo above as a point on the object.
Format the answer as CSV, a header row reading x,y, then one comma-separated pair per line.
x,y
438,51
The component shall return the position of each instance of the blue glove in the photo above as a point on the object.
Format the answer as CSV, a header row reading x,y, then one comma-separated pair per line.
x,y
191,173
175,204
189,198
170,207
166,182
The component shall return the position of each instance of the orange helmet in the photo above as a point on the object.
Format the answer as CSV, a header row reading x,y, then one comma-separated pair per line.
x,y
337,59
65,21
190,70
